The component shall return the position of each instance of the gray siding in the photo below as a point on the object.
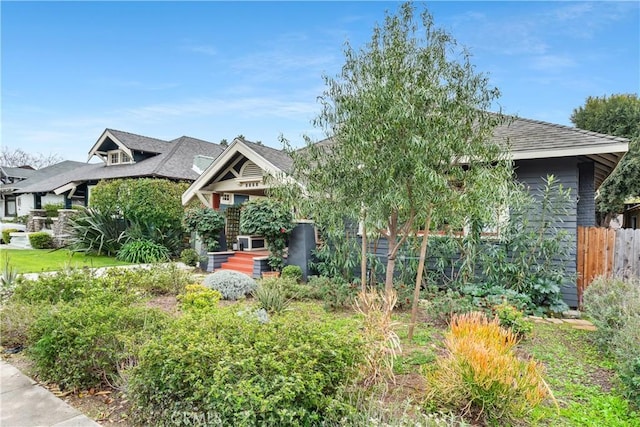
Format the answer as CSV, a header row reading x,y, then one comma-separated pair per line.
x,y
532,174
586,194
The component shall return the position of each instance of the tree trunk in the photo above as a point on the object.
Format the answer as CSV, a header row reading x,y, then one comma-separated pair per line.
x,y
421,262
391,254
363,261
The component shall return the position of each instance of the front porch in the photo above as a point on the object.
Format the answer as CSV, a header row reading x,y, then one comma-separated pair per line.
x,y
252,263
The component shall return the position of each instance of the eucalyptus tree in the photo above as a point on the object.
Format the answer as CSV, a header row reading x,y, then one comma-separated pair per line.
x,y
410,136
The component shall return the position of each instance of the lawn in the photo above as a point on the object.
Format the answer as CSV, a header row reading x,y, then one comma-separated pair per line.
x,y
37,260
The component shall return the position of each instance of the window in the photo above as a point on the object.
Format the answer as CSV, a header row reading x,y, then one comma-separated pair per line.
x,y
116,157
226,198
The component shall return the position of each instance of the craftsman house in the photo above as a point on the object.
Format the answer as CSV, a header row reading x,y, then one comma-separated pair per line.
x,y
579,159
120,155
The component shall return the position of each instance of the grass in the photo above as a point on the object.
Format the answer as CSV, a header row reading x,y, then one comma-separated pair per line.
x,y
581,378
38,260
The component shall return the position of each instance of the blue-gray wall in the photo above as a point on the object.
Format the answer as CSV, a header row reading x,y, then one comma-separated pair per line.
x,y
532,174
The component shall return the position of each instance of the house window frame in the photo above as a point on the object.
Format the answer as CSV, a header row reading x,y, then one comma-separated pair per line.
x,y
118,157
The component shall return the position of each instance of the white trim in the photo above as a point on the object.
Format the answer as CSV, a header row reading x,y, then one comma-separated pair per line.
x,y
237,146
617,149
104,155
69,186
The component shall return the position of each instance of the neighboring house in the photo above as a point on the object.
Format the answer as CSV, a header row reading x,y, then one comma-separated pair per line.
x,y
122,155
15,202
631,215
579,159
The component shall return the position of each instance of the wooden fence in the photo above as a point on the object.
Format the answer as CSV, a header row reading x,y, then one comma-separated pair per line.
x,y
603,251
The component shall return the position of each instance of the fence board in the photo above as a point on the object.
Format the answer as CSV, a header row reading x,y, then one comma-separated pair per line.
x,y
596,254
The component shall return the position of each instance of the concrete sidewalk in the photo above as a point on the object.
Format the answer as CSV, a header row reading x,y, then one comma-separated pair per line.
x,y
23,403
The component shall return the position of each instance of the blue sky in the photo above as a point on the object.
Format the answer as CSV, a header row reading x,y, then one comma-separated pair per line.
x,y
214,70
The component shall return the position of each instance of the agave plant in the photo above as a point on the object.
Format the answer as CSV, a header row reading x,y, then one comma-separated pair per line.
x,y
97,232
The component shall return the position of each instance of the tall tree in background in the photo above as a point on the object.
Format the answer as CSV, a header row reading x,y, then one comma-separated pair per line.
x,y
411,137
17,157
617,115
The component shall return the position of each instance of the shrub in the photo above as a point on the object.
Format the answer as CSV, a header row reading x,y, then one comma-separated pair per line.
x,y
482,375
440,306
271,219
271,297
51,209
512,318
143,252
85,343
334,292
66,286
190,257
156,202
207,223
291,288
284,372
6,235
626,348
231,284
41,240
292,272
97,232
198,297
610,302
382,345
157,280
15,319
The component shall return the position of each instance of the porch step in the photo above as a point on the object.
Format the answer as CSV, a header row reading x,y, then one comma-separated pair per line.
x,y
243,261
20,241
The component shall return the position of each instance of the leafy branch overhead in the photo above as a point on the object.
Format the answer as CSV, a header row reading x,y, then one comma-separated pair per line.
x,y
617,115
410,135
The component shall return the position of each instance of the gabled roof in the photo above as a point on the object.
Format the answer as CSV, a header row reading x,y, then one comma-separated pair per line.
x,y
173,163
13,172
269,159
534,139
128,142
44,174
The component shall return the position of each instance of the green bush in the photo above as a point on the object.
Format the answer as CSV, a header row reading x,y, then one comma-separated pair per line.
x,y
440,306
190,257
291,288
51,209
231,284
6,235
271,297
207,223
85,343
41,240
626,348
292,272
284,372
334,292
15,320
143,252
512,318
198,297
66,286
157,280
157,202
610,302
97,232
272,220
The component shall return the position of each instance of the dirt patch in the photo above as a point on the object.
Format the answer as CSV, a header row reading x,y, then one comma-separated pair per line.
x,y
107,407
166,303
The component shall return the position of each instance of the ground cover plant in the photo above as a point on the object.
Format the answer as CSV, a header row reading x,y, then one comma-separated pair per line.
x,y
38,260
